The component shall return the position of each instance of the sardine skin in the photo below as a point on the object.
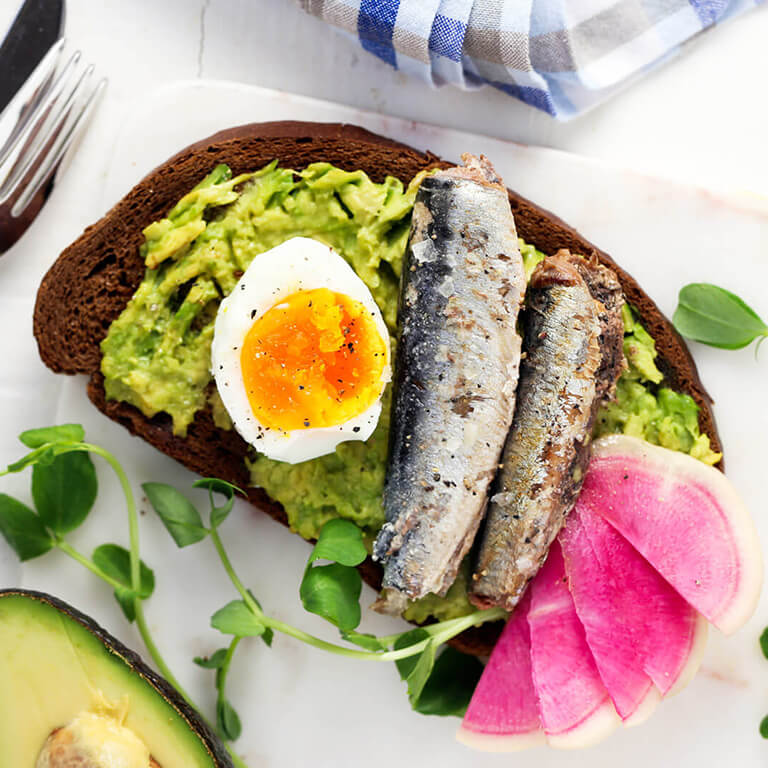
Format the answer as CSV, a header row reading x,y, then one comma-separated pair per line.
x,y
456,373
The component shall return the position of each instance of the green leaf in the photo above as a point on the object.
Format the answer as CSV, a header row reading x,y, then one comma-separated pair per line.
x,y
268,635
235,618
405,666
219,513
38,456
23,529
764,642
43,455
716,317
341,542
125,599
179,515
333,592
64,491
217,485
450,686
227,720
367,641
764,727
425,661
115,561
34,438
214,661
415,670
437,687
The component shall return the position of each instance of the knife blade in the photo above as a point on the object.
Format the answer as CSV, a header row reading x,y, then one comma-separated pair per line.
x,y
37,26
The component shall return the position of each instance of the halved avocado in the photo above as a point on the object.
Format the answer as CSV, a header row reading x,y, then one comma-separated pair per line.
x,y
56,665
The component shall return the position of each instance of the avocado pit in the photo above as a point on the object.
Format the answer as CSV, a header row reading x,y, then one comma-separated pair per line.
x,y
93,740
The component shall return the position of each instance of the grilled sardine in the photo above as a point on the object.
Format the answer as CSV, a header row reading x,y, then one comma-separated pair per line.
x,y
456,373
606,289
572,357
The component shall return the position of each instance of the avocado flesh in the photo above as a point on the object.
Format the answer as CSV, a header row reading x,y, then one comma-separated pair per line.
x,y
55,664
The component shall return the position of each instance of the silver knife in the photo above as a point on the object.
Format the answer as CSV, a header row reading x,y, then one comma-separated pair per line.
x,y
37,26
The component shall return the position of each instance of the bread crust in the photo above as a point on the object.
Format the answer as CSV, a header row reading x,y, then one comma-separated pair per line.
x,y
94,278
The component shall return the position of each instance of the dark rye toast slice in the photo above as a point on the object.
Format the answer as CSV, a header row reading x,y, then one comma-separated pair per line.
x,y
94,278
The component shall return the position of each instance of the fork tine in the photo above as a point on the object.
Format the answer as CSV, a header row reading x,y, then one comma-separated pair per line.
x,y
21,110
48,126
51,160
38,130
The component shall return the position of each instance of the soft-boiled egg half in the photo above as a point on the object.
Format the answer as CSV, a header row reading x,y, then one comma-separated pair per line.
x,y
301,353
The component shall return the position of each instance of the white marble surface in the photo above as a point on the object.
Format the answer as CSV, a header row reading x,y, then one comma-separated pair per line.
x,y
665,233
668,124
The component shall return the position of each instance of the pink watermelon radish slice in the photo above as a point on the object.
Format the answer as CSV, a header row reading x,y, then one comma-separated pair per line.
x,y
645,708
670,636
685,518
574,706
609,634
503,715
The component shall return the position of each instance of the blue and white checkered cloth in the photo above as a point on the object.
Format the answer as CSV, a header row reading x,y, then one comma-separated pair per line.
x,y
560,56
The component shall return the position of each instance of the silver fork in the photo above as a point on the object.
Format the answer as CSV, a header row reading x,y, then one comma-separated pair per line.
x,y
38,126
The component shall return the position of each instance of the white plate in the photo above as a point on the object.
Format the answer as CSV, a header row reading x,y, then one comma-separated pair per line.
x,y
301,706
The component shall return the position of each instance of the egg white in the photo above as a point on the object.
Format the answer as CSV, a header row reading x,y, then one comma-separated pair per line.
x,y
299,264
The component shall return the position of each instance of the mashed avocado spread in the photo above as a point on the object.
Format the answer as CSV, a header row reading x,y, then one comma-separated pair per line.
x,y
156,355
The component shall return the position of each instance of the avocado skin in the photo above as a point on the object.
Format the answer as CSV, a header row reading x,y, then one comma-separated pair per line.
x,y
163,687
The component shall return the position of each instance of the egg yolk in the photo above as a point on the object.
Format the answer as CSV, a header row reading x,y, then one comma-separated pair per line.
x,y
314,359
